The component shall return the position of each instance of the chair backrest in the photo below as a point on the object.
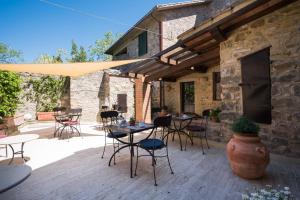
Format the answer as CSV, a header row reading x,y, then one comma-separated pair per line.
x,y
59,109
76,112
164,121
109,115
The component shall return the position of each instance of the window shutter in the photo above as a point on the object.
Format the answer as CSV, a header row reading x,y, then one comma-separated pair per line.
x,y
256,86
122,102
143,43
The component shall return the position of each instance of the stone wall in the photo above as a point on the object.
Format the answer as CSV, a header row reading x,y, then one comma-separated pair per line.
x,y
281,31
203,91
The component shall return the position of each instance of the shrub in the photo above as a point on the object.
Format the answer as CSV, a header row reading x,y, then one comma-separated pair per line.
x,y
245,126
10,89
214,113
45,92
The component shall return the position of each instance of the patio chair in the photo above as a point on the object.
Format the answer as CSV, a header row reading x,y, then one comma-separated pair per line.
x,y
59,117
73,122
199,128
151,145
110,118
3,136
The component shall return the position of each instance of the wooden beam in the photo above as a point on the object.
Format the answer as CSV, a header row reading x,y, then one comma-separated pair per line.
x,y
217,34
153,69
199,50
197,60
143,64
255,14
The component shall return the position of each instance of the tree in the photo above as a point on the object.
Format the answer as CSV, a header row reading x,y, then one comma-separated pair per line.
x,y
8,55
10,83
97,51
78,56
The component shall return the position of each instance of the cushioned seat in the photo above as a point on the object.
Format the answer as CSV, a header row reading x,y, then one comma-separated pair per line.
x,y
195,128
70,123
152,144
116,135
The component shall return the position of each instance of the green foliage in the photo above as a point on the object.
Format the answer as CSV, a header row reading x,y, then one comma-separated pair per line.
x,y
8,55
132,119
45,92
47,59
214,113
245,126
78,55
97,51
9,93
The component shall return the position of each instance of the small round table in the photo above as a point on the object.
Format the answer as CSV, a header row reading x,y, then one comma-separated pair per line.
x,y
17,139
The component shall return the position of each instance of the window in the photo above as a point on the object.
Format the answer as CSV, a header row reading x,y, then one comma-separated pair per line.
x,y
188,97
256,86
143,43
216,86
122,102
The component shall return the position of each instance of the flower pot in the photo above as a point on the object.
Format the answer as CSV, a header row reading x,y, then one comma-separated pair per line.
x,y
2,130
248,157
45,116
14,121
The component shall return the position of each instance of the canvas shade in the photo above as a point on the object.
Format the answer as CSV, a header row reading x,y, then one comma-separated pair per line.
x,y
66,69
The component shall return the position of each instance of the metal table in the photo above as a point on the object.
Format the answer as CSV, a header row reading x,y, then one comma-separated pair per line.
x,y
18,139
183,122
131,130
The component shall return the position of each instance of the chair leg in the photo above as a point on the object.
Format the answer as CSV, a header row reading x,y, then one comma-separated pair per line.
x,y
206,140
114,151
201,145
153,165
104,145
6,151
186,139
169,160
137,160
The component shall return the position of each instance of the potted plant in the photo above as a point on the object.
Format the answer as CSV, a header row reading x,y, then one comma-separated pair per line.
x,y
46,93
131,121
214,114
10,85
248,157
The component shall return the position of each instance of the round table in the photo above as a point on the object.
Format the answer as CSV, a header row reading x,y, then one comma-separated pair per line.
x,y
18,139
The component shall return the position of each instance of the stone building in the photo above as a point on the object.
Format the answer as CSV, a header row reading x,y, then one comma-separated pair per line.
x,y
244,58
157,31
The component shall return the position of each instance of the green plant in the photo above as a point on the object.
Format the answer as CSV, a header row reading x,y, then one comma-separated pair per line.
x,y
1,120
10,89
245,126
45,92
214,113
132,119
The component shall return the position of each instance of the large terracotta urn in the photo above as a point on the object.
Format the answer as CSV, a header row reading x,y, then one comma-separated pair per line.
x,y
248,157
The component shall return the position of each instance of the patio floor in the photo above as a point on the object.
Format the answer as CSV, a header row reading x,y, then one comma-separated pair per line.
x,y
73,169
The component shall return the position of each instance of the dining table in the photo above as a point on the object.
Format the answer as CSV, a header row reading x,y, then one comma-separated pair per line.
x,y
131,143
180,123
18,139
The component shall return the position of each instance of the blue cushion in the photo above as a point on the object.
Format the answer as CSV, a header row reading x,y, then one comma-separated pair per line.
x,y
116,135
152,144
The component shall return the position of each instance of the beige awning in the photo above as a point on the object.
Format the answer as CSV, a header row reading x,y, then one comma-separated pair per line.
x,y
66,69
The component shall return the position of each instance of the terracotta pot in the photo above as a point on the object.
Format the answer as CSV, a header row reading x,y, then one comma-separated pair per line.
x,y
14,121
248,157
45,116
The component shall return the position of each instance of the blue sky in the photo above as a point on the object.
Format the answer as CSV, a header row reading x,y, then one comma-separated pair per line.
x,y
35,27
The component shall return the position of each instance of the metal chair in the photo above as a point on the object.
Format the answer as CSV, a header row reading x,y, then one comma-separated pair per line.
x,y
59,116
73,122
3,136
110,118
153,144
199,128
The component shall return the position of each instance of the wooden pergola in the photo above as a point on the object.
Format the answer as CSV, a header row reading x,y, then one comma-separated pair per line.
x,y
199,48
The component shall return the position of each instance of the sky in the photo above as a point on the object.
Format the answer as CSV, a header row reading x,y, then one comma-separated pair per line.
x,y
35,28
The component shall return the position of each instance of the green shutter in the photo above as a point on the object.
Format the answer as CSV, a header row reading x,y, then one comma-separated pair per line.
x,y
143,43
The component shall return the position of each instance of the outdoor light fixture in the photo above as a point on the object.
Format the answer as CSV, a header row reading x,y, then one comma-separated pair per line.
x,y
192,68
160,79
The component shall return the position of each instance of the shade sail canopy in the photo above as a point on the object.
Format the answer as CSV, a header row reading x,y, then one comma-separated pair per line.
x,y
66,69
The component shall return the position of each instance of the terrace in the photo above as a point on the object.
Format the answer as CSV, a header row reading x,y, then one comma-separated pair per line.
x,y
73,169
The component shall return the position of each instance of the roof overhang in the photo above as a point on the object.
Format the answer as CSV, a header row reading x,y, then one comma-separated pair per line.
x,y
198,48
67,69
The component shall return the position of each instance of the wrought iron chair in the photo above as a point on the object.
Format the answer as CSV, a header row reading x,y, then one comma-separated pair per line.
x,y
59,117
73,122
3,135
199,128
110,118
153,144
